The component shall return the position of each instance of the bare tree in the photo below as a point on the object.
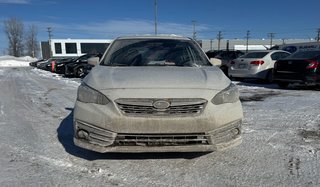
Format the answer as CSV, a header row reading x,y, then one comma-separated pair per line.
x,y
32,46
13,28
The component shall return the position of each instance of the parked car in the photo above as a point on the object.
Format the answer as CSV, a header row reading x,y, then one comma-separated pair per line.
x,y
223,59
50,64
300,67
35,63
156,94
58,66
258,64
46,65
79,67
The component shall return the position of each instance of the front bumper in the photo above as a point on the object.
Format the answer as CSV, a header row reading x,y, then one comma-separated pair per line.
x,y
101,140
106,129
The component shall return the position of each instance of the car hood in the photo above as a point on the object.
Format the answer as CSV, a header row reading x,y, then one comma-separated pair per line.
x,y
106,77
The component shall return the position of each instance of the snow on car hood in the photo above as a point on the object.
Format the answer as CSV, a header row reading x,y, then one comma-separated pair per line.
x,y
106,77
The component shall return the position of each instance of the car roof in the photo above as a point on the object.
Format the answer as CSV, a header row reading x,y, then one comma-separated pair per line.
x,y
268,51
174,37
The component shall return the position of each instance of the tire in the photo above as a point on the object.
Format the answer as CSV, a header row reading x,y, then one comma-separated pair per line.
x,y
80,72
283,84
269,77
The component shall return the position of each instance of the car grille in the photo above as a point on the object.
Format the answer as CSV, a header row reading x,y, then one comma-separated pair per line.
x,y
147,106
161,139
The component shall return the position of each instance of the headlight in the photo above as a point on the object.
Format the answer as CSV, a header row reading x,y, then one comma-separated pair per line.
x,y
228,95
59,65
89,95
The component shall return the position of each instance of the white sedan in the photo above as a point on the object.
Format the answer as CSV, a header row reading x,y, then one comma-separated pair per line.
x,y
258,64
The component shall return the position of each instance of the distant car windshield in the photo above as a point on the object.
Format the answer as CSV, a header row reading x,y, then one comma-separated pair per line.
x,y
255,55
154,52
304,54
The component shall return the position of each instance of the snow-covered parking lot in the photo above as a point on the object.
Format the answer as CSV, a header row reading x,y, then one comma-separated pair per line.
x,y
281,140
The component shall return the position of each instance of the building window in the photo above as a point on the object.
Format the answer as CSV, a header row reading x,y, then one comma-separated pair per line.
x,y
93,47
71,48
57,48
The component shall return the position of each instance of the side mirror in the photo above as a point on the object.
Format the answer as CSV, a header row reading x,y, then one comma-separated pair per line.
x,y
215,62
93,61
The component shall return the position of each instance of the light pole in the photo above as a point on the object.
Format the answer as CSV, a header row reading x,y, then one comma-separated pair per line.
x,y
247,37
194,33
155,17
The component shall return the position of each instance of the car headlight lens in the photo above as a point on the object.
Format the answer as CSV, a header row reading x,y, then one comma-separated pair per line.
x,y
89,95
59,65
228,95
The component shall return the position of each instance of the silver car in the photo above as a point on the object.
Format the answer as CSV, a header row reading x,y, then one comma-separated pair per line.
x,y
257,64
156,94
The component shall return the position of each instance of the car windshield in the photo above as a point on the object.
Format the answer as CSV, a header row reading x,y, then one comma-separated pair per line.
x,y
255,55
154,52
305,55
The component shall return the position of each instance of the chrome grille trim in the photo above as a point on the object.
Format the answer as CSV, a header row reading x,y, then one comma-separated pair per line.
x,y
161,139
145,106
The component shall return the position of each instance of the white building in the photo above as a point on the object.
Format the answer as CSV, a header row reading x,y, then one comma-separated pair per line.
x,y
73,47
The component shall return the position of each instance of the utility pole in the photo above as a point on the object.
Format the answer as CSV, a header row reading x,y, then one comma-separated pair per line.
x,y
219,37
50,36
318,35
271,36
211,41
247,44
194,33
155,17
49,33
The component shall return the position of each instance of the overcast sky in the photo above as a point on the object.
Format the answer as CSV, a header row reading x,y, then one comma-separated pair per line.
x,y
111,18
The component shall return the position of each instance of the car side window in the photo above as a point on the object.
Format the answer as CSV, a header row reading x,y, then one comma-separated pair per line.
x,y
284,55
275,56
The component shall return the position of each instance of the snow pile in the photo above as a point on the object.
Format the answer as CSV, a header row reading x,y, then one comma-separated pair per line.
x,y
48,74
11,61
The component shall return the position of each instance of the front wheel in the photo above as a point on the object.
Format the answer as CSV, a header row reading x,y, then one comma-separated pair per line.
x,y
80,72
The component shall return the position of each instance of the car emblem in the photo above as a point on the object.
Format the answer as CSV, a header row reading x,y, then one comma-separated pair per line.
x,y
290,62
161,104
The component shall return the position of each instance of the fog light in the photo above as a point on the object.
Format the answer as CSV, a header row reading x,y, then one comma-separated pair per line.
x,y
235,131
83,134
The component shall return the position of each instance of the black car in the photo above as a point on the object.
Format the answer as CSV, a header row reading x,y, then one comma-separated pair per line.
x,y
226,58
80,66
46,65
58,66
300,67
35,63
